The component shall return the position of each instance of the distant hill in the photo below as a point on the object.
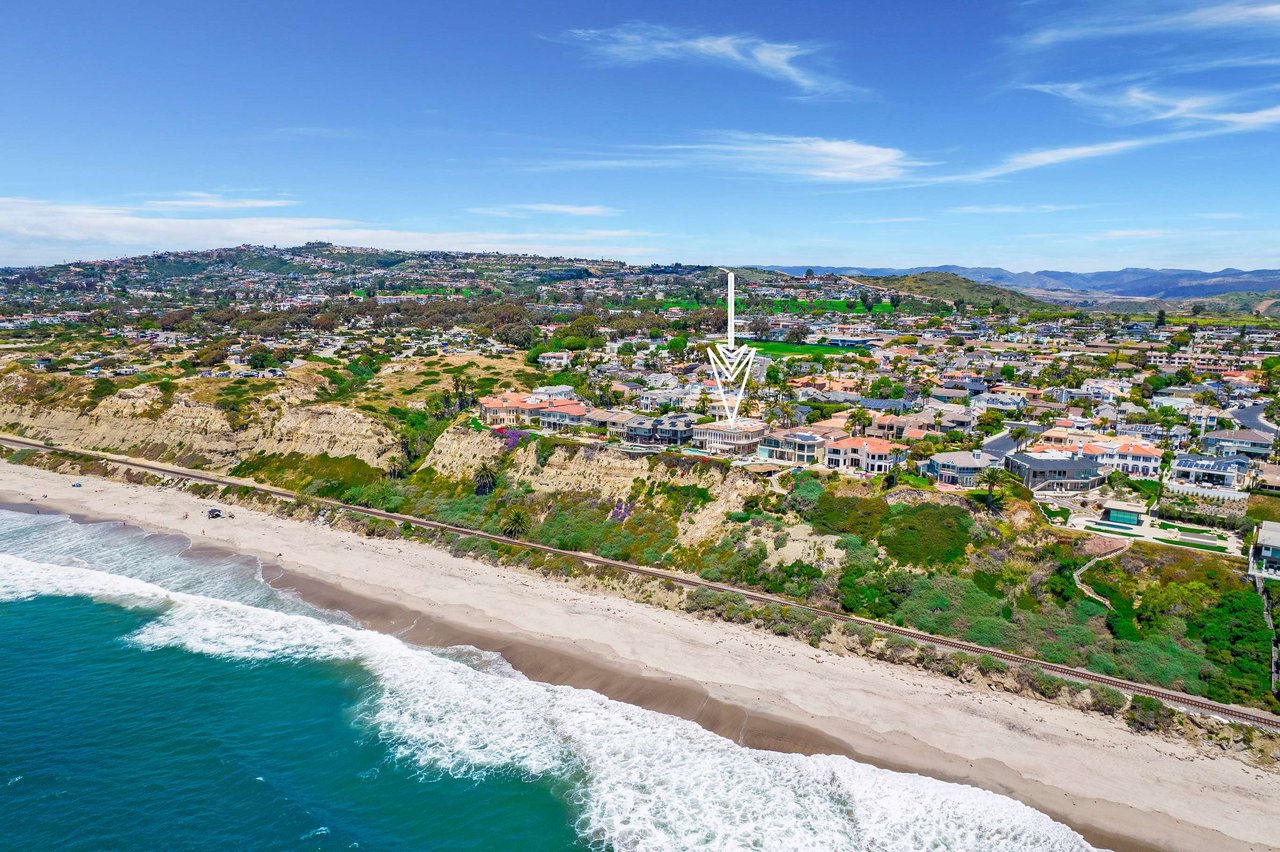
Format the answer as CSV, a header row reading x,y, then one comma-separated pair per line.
x,y
949,286
1133,282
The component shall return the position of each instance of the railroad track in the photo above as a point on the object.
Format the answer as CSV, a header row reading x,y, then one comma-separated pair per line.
x,y
1180,700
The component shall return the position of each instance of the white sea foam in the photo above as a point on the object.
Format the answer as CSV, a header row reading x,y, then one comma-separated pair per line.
x,y
640,780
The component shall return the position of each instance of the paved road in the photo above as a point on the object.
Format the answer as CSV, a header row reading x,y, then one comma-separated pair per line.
x,y
1251,418
999,446
1230,712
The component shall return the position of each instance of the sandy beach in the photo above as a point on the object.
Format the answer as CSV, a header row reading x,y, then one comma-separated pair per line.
x,y
1119,790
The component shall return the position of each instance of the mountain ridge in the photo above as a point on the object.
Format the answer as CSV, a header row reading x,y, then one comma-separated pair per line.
x,y
1142,282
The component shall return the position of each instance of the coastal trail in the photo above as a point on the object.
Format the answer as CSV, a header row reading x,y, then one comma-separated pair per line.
x,y
1228,712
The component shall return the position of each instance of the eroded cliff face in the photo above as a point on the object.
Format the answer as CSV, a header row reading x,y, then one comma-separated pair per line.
x,y
460,450
604,471
140,421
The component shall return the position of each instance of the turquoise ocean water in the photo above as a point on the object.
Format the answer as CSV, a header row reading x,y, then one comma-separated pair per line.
x,y
151,699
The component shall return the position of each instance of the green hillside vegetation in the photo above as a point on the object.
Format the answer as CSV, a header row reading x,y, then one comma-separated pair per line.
x,y
1266,302
750,273
949,286
1178,618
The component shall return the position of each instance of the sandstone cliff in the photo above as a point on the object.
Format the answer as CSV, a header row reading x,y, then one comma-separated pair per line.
x,y
141,421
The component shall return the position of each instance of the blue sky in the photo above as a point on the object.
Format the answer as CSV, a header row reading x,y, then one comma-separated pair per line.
x,y
1075,135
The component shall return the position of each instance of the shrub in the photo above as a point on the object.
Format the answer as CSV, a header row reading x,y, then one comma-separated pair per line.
x,y
543,448
988,664
1149,714
897,641
865,634
859,516
953,664
806,495
1107,700
1040,682
378,495
102,388
927,534
730,606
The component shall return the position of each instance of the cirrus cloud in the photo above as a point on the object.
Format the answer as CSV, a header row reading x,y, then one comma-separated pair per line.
x,y
518,211
637,43
213,201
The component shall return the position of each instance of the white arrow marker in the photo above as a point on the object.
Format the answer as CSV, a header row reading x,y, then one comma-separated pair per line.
x,y
731,366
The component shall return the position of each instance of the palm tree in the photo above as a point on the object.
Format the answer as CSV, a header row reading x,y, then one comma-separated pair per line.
x,y
1019,434
485,479
395,466
859,417
516,524
992,477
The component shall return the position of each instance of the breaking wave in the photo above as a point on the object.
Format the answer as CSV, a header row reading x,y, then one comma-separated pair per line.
x,y
638,780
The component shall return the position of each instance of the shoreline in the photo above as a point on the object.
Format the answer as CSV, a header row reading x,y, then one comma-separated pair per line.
x,y
726,678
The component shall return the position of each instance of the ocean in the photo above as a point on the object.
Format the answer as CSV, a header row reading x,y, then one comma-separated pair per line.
x,y
151,697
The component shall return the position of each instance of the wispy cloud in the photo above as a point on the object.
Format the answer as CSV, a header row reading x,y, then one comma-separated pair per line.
x,y
806,157
41,231
521,211
1055,156
1132,234
1212,73
1013,208
314,132
1140,103
1185,18
887,220
638,43
811,158
213,201
1223,215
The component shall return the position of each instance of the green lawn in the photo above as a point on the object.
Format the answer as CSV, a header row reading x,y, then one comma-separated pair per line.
x,y
1110,532
1148,487
1058,512
1213,547
1165,525
770,347
1263,507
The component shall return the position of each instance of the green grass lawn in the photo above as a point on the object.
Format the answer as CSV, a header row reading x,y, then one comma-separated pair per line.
x,y
1165,525
1263,507
1213,547
1148,487
1111,532
771,347
1061,513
